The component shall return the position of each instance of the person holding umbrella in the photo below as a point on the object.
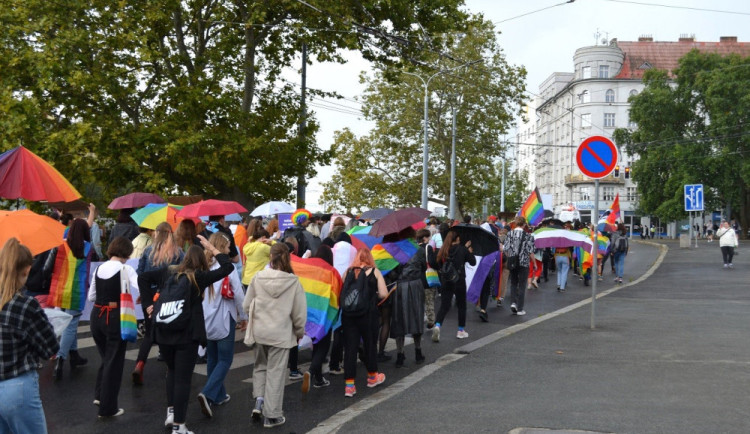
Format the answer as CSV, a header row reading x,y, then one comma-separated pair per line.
x,y
459,255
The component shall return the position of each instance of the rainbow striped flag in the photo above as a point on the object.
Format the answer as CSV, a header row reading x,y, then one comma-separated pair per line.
x,y
70,281
388,256
533,210
322,285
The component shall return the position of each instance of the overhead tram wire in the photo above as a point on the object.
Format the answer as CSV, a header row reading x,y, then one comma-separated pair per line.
x,y
679,7
533,12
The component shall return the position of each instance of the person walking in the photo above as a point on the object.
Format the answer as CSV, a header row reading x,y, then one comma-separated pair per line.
x,y
27,339
562,261
179,345
519,247
104,291
727,242
620,248
221,302
277,311
459,255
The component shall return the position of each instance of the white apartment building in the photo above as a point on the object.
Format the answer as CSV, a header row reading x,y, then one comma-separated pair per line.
x,y
593,101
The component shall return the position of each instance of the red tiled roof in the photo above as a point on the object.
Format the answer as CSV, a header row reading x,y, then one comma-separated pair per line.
x,y
642,55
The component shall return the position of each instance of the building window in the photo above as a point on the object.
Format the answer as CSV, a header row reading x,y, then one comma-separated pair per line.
x,y
632,194
585,97
609,120
585,193
586,120
633,92
608,193
585,72
609,96
603,71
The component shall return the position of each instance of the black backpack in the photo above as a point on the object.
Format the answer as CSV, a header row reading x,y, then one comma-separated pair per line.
x,y
622,244
172,308
299,235
355,294
448,272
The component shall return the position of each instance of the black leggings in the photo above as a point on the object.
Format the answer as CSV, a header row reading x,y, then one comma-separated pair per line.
x,y
148,337
727,252
356,328
447,291
180,361
319,353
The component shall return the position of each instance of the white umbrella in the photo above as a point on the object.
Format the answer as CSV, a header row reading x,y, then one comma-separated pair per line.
x,y
271,208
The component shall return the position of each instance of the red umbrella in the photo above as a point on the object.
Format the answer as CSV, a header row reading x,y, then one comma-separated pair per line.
x,y
398,221
211,207
24,175
135,200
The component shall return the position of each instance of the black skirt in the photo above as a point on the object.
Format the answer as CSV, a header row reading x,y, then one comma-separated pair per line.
x,y
407,317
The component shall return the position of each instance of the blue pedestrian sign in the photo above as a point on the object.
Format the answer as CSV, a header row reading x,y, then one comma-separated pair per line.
x,y
694,197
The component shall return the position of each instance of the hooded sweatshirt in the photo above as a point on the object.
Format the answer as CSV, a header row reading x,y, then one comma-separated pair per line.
x,y
280,313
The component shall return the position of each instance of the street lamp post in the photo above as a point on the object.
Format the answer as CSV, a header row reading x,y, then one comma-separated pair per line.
x,y
425,152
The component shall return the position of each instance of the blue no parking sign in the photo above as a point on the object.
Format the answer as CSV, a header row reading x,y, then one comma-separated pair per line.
x,y
596,157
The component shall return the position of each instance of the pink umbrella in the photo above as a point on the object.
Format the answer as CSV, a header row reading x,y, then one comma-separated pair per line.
x,y
135,200
211,207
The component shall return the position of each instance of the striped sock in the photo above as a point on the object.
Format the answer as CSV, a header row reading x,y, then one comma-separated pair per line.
x,y
350,381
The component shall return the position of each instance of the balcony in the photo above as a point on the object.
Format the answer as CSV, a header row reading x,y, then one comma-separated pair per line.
x,y
573,180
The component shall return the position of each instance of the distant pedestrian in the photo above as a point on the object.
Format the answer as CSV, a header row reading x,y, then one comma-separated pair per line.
x,y
562,260
620,248
727,242
519,247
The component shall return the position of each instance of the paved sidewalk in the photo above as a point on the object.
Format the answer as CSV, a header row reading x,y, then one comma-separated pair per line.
x,y
668,355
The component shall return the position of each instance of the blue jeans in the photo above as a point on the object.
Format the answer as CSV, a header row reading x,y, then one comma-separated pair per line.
x,y
69,338
563,265
219,355
620,264
21,406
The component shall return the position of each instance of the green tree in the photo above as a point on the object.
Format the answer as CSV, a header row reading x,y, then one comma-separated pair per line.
x,y
185,96
384,168
693,129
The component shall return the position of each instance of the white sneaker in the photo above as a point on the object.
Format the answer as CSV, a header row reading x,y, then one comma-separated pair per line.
x,y
462,334
726,265
169,421
731,266
181,429
514,308
436,334
521,312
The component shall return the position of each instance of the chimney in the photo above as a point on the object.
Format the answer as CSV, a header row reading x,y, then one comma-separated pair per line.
x,y
687,38
727,39
645,38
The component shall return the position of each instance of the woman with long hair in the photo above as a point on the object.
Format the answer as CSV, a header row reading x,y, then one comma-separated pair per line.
x,y
364,327
68,289
104,292
273,229
179,347
164,251
460,255
184,237
27,340
277,307
221,303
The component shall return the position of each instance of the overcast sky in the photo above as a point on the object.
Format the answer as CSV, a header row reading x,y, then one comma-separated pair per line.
x,y
543,41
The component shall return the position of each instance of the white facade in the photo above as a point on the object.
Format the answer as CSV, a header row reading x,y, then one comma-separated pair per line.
x,y
573,107
525,146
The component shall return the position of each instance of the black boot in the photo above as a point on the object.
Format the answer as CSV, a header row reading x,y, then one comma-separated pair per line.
x,y
76,359
57,374
400,358
419,356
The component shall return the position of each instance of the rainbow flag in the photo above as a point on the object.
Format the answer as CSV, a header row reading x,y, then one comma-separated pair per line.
x,y
388,256
533,210
322,285
362,233
70,281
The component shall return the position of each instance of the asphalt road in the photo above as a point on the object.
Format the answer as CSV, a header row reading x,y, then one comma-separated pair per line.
x,y
520,374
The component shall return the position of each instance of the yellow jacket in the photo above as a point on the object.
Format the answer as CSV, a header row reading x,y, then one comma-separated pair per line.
x,y
257,256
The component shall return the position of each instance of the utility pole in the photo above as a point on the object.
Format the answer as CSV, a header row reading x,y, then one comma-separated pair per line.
x,y
301,183
452,206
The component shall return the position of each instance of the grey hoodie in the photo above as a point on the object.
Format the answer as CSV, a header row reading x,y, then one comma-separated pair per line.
x,y
280,309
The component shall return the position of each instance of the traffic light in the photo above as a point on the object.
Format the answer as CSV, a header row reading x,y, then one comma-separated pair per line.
x,y
617,171
627,172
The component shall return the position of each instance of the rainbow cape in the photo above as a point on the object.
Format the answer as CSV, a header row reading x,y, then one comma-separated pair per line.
x,y
533,210
388,256
70,281
322,285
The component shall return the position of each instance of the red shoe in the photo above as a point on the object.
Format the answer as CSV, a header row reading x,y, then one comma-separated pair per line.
x,y
350,391
379,379
138,374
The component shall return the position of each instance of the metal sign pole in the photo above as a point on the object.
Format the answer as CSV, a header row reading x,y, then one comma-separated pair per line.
x,y
595,265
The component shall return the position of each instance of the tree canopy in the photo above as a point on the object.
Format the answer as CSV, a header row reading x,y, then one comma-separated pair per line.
x,y
384,167
693,130
180,96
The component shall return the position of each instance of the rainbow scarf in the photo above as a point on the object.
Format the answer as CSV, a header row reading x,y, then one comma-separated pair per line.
x,y
388,256
533,210
70,281
322,285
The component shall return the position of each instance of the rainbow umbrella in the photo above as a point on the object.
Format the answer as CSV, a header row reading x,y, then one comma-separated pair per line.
x,y
151,215
24,175
362,233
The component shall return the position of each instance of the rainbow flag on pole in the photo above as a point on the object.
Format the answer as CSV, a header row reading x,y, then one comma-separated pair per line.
x,y
388,256
322,285
533,210
70,282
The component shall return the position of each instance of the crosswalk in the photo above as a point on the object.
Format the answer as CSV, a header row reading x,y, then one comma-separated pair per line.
x,y
242,359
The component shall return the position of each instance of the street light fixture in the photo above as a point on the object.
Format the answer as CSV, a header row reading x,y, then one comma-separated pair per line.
x,y
425,156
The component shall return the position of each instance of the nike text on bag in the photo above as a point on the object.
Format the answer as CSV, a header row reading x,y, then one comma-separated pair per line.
x,y
173,306
354,294
448,272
